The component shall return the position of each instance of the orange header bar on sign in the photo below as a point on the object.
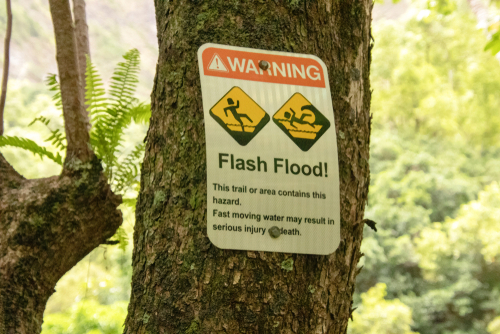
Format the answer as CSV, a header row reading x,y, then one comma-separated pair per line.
x,y
245,65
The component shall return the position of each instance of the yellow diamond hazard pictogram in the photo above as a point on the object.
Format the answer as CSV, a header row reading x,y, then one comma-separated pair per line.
x,y
239,115
301,121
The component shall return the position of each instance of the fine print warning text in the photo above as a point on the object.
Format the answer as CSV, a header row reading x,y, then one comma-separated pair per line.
x,y
227,208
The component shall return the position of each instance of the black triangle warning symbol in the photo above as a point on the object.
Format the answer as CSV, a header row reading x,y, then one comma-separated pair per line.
x,y
216,64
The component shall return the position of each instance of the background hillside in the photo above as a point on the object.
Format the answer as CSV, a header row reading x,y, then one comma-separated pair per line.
x,y
115,26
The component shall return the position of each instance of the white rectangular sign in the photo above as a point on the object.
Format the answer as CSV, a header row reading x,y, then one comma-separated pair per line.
x,y
272,165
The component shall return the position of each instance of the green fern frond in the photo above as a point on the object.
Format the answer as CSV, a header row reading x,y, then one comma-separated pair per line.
x,y
53,84
31,146
124,80
114,116
127,172
141,113
122,238
44,120
57,138
109,118
94,92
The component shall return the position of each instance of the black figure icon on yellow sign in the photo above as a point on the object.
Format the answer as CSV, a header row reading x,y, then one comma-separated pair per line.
x,y
301,121
239,115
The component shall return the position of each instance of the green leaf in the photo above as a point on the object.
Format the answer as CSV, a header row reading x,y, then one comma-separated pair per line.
x,y
127,172
53,85
94,91
494,44
129,202
141,113
124,80
122,238
31,146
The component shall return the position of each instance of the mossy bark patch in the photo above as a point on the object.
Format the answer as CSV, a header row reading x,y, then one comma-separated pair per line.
x,y
46,227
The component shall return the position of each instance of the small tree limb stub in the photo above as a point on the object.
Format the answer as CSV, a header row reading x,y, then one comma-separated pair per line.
x,y
75,117
370,223
6,60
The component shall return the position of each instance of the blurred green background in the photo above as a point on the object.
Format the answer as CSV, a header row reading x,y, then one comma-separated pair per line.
x,y
433,265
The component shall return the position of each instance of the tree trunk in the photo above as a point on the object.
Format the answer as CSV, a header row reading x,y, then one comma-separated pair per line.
x,y
181,282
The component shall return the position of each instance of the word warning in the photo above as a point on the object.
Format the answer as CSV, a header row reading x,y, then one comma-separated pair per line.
x,y
271,186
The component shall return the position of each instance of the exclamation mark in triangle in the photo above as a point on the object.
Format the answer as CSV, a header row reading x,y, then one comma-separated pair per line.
x,y
216,64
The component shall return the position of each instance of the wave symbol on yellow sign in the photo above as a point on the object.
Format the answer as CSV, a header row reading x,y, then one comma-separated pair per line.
x,y
301,121
239,115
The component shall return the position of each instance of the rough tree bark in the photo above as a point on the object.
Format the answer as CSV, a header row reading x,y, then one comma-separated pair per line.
x,y
181,282
48,225
82,35
82,44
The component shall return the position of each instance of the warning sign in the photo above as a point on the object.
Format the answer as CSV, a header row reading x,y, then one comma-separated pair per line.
x,y
217,64
301,121
271,186
239,115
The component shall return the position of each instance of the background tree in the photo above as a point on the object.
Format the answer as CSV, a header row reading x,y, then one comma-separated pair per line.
x,y
181,282
48,225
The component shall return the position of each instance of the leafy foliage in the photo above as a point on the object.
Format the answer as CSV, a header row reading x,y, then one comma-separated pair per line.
x,y
87,317
494,43
58,138
377,315
110,116
53,85
438,81
435,158
494,326
30,145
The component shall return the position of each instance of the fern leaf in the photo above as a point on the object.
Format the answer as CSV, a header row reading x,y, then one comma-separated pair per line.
x,y
58,139
124,80
31,146
44,120
141,113
110,119
127,172
122,238
53,84
94,91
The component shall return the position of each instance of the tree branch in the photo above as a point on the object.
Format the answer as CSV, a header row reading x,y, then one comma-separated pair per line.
x,y
82,40
9,178
75,117
6,59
